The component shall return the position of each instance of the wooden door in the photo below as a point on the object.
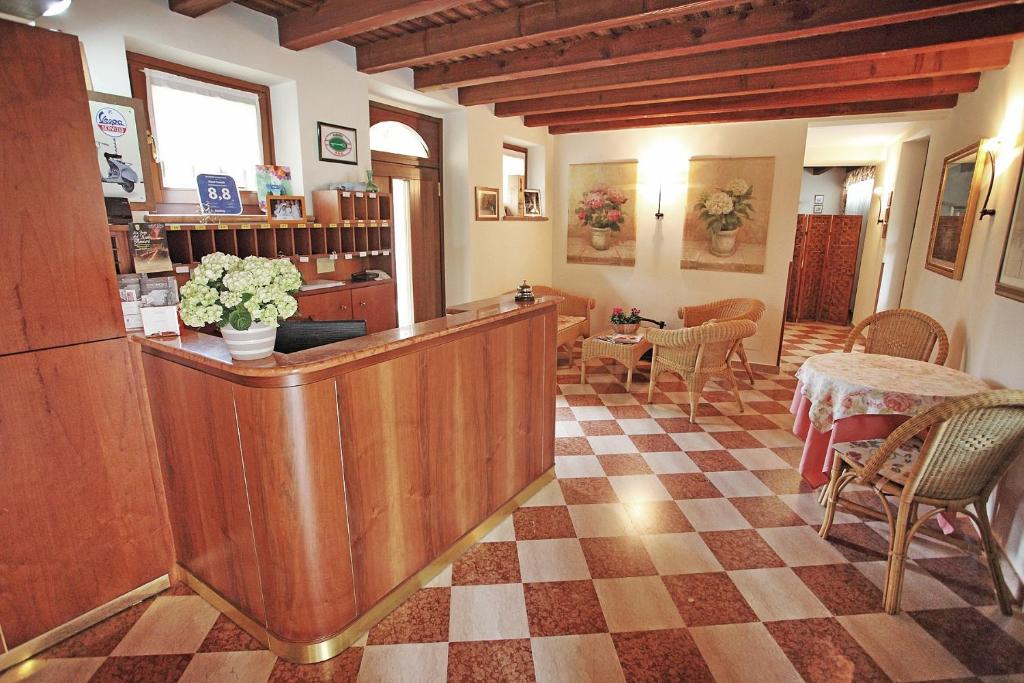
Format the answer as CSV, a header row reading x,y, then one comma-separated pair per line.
x,y
81,497
840,267
57,284
424,175
375,305
793,282
427,252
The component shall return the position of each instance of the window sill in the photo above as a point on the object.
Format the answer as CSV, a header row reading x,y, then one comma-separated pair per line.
x,y
524,218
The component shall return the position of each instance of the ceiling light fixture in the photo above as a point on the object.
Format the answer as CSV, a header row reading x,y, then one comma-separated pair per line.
x,y
56,7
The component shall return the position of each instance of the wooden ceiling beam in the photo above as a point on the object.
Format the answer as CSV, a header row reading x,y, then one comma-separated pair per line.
x,y
899,67
536,22
847,109
985,27
195,8
896,90
721,31
337,19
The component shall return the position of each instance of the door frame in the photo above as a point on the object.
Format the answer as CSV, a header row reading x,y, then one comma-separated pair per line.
x,y
415,168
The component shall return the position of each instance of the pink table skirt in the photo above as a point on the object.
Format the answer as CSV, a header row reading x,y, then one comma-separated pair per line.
x,y
816,460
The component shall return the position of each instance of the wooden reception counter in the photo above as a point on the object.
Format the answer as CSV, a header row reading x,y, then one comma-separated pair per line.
x,y
311,493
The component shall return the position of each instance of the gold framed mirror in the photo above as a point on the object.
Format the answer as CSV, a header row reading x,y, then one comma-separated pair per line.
x,y
955,211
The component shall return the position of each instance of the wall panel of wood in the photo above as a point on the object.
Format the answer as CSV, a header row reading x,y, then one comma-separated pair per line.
x,y
57,284
293,467
205,480
81,513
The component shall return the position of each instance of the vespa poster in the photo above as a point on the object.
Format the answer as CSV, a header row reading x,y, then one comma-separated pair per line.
x,y
118,153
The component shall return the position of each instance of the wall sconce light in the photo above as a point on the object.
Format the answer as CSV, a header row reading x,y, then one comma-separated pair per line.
x,y
658,214
990,147
883,219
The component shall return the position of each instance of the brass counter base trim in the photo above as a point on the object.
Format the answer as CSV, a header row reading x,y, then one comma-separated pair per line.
x,y
332,646
30,648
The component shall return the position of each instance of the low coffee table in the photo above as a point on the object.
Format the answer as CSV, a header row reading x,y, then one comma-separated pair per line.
x,y
626,354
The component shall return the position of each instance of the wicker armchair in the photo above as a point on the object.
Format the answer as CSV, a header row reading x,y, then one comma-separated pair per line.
x,y
573,316
697,354
724,310
970,444
901,332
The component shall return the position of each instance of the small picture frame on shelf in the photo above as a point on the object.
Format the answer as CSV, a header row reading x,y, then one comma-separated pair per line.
x,y
819,199
531,203
337,144
487,203
818,208
286,209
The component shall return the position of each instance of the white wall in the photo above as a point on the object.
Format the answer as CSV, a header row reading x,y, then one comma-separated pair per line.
x,y
656,284
903,177
829,184
985,329
494,256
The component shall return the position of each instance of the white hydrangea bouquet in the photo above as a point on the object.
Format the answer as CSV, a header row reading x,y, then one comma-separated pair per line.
x,y
724,209
231,291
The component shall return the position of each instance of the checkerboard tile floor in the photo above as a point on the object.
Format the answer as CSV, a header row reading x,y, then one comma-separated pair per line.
x,y
664,551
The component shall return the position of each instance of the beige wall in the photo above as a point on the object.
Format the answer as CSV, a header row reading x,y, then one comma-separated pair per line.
x,y
656,284
486,258
985,330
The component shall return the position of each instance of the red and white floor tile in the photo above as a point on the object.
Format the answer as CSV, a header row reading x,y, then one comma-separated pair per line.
x,y
664,551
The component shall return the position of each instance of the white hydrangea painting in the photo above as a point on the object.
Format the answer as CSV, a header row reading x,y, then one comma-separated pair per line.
x,y
727,209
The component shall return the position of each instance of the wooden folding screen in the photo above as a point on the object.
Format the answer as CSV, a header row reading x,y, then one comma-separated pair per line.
x,y
823,268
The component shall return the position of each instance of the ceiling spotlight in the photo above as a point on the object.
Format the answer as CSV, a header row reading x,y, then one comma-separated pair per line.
x,y
56,7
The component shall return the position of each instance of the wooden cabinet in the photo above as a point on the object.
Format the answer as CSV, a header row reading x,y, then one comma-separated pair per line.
x,y
81,497
329,305
376,305
57,283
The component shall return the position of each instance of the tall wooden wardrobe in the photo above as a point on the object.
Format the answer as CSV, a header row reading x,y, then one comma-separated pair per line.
x,y
824,265
82,517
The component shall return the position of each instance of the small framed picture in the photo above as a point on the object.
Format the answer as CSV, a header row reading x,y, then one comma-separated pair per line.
x,y
286,209
337,143
818,208
819,199
487,203
531,203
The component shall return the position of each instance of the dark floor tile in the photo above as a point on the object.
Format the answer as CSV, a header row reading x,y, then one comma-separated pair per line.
x,y
144,669
766,511
341,669
979,644
842,588
585,490
621,465
572,445
741,549
678,425
661,517
965,576
617,557
654,443
708,599
688,486
783,482
858,542
487,563
737,439
562,608
423,618
715,461
601,427
823,651
660,656
227,636
495,660
546,521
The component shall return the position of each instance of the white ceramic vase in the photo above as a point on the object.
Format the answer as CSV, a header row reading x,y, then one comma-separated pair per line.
x,y
255,342
723,243
600,238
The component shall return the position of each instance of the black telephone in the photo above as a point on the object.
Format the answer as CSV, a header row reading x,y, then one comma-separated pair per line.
x,y
370,274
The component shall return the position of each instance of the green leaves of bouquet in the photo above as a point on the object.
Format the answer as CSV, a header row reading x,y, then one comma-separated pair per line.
x,y
725,209
227,290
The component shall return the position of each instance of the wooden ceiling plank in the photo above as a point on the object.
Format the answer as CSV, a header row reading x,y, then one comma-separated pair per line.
x,y
847,109
195,8
338,19
985,27
899,67
765,25
541,21
925,87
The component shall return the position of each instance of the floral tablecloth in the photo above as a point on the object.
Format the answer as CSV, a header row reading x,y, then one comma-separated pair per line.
x,y
841,385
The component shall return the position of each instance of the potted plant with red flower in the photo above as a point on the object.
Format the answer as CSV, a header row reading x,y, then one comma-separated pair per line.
x,y
623,322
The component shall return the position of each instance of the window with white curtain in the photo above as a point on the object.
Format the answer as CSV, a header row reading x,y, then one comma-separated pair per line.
x,y
203,127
